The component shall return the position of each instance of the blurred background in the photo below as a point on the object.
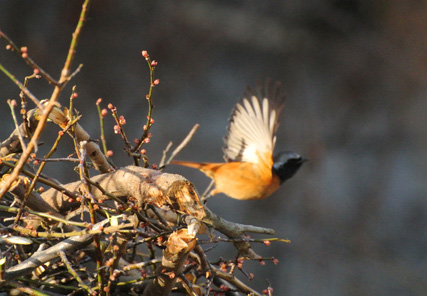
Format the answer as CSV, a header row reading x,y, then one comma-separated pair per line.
x,y
355,77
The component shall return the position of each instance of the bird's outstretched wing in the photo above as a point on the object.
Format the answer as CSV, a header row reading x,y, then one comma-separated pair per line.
x,y
253,124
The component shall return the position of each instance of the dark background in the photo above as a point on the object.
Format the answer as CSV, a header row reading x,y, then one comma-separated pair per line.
x,y
355,75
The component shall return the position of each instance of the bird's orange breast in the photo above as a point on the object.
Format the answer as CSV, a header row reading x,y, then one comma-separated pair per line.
x,y
242,180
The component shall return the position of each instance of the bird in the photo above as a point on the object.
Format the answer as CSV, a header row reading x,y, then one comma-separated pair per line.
x,y
250,171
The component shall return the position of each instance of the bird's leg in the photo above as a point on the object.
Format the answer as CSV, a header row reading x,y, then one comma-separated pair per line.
x,y
207,194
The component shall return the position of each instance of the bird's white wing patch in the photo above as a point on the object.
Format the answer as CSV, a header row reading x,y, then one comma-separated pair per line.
x,y
252,127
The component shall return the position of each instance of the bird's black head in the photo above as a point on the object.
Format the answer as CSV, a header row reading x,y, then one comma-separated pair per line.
x,y
286,164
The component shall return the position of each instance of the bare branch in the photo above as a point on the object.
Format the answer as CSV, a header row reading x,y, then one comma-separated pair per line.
x,y
235,230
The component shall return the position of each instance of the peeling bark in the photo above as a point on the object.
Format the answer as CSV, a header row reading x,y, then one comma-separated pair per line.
x,y
146,185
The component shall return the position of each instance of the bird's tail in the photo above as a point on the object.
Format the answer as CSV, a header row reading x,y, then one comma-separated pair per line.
x,y
195,165
208,168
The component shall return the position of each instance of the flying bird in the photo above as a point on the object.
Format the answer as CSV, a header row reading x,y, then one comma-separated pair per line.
x,y
250,171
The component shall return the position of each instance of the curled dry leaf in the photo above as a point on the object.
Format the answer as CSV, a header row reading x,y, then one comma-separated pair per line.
x,y
179,241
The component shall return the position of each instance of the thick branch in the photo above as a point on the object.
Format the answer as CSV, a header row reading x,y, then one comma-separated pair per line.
x,y
146,185
35,201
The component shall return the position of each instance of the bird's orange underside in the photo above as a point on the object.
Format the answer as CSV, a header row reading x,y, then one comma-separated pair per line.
x,y
239,180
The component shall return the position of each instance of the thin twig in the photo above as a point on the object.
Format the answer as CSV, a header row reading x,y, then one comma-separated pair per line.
x,y
151,65
121,129
84,175
235,230
246,239
181,145
75,72
184,142
21,86
105,192
74,273
59,159
28,60
74,41
231,228
142,264
12,110
165,152
46,284
25,114
234,281
206,194
44,215
101,126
